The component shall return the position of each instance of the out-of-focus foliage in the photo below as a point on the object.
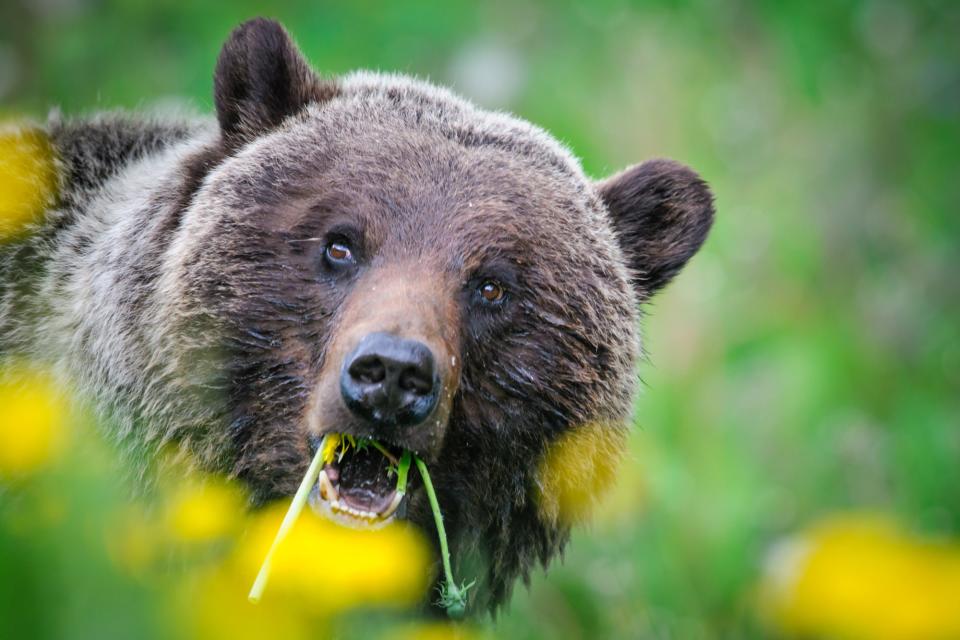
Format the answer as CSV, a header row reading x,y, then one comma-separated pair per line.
x,y
806,363
82,559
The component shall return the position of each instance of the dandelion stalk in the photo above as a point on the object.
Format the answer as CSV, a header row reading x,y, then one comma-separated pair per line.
x,y
382,449
403,467
296,506
452,596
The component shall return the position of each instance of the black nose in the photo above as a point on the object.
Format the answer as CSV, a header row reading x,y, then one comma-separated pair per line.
x,y
390,381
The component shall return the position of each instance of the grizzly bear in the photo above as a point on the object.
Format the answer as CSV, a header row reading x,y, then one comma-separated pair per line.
x,y
367,255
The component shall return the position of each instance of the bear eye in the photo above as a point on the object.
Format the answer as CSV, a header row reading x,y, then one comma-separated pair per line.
x,y
491,292
339,254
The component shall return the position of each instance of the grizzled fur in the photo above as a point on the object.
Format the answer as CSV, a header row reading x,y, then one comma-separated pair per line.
x,y
179,281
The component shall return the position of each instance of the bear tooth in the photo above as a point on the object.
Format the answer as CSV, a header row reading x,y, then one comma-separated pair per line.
x,y
335,504
327,490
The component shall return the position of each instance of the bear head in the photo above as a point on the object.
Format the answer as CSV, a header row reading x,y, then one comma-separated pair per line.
x,y
374,257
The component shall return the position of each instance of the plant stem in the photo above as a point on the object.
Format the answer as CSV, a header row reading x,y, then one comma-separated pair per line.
x,y
452,596
438,518
296,506
382,449
403,467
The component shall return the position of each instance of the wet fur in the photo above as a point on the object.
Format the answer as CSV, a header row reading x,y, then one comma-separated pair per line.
x,y
171,283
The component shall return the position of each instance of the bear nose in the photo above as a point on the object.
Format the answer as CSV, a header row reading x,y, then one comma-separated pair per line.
x,y
390,381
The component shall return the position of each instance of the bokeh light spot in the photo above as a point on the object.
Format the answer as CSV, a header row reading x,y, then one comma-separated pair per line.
x,y
27,178
204,511
577,470
862,577
32,423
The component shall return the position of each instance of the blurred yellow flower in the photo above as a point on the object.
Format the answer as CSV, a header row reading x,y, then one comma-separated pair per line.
x,y
577,470
212,605
331,568
861,577
320,570
28,177
32,422
204,510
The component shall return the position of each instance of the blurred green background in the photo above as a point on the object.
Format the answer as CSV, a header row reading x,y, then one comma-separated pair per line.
x,y
807,361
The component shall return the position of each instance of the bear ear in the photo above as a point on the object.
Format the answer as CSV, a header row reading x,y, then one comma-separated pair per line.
x,y
661,212
262,78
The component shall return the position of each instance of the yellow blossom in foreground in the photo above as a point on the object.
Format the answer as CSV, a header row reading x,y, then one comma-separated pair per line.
x,y
213,606
332,568
28,179
204,510
577,470
320,570
862,577
32,422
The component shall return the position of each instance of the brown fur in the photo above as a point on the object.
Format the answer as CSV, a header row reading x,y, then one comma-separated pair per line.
x,y
183,285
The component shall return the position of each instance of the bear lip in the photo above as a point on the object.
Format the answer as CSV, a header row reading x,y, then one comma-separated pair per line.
x,y
359,489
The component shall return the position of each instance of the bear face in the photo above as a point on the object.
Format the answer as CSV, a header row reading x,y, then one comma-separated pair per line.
x,y
376,257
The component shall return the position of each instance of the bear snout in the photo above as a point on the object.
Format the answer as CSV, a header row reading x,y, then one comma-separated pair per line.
x,y
390,381
392,367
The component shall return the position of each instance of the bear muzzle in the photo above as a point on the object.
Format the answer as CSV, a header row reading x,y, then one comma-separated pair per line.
x,y
390,382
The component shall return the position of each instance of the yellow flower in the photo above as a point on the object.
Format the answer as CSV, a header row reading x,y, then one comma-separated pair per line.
x,y
204,510
577,470
861,577
332,568
319,571
212,605
32,422
28,178
330,444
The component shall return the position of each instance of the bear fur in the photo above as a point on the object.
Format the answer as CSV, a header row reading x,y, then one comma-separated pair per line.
x,y
176,282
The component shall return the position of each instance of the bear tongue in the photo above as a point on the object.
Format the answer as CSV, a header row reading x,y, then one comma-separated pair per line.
x,y
364,481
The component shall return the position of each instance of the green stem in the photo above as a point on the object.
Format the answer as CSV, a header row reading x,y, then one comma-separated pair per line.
x,y
382,449
438,518
452,596
403,467
296,506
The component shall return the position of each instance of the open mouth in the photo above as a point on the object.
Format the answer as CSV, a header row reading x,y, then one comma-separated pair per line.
x,y
351,481
357,486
